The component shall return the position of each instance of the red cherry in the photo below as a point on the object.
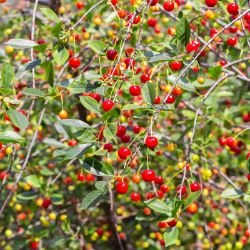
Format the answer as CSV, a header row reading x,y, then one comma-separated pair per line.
x,y
231,142
177,91
46,203
247,16
130,63
80,177
151,142
108,147
125,138
152,22
158,180
211,3
153,2
121,187
172,223
176,65
136,129
168,6
34,245
233,8
74,62
72,142
195,186
190,47
121,130
112,54
181,189
3,174
164,188
145,78
157,100
232,41
135,196
148,175
160,194
248,156
248,177
246,117
79,5
107,105
162,224
149,195
135,90
170,99
114,2
90,177
124,152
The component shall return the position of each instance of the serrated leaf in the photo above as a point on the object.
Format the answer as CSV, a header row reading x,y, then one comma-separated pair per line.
x,y
55,143
50,14
158,206
148,93
33,180
111,114
109,132
171,236
61,55
90,103
101,185
183,31
160,58
7,76
74,123
98,168
97,46
10,136
214,72
77,151
21,43
91,199
231,193
18,119
33,92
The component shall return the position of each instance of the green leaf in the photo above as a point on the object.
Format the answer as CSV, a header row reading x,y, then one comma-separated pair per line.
x,y
29,195
231,193
183,83
57,29
61,55
74,123
33,180
101,185
98,168
110,132
183,31
160,58
148,93
191,198
214,72
50,14
134,106
7,75
111,114
50,73
171,236
55,143
21,43
33,92
91,199
158,206
97,46
77,151
10,136
90,103
18,119
57,199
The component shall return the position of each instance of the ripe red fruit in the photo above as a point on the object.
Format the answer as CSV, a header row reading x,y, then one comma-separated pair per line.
x,y
90,177
124,152
233,8
176,65
157,100
181,189
195,187
177,91
3,174
162,224
190,47
74,62
158,180
34,245
135,90
136,129
80,177
130,63
231,142
114,2
112,54
153,2
145,78
151,142
107,105
121,187
121,130
79,5
192,208
152,22
108,147
148,175
125,138
164,188
172,223
232,41
211,3
248,177
135,196
46,203
170,99
168,6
